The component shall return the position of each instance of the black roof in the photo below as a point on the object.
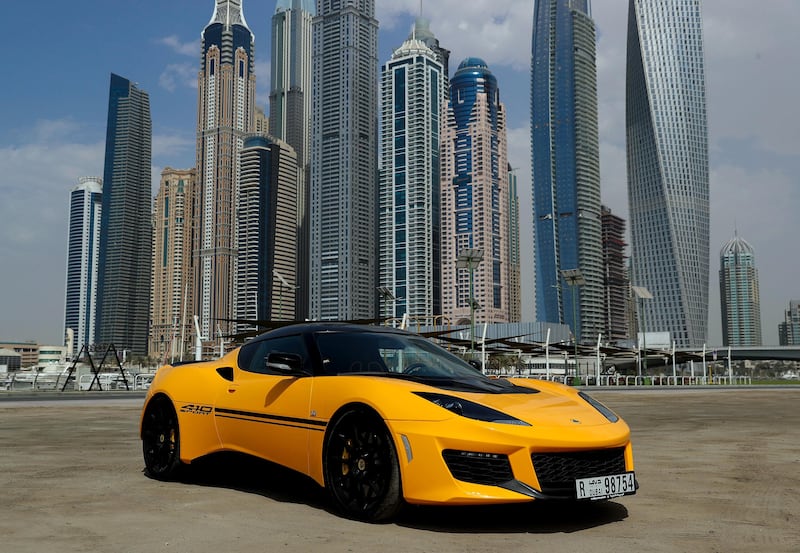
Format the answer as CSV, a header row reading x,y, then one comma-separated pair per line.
x,y
327,326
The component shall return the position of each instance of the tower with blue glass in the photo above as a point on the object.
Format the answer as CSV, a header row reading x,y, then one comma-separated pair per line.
x,y
126,229
667,154
475,199
566,168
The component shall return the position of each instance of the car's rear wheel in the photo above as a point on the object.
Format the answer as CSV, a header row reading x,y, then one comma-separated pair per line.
x,y
161,440
361,469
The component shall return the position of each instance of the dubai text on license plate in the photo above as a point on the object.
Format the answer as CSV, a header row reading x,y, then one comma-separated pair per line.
x,y
605,487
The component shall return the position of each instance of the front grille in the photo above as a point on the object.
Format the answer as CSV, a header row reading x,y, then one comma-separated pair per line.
x,y
478,468
557,471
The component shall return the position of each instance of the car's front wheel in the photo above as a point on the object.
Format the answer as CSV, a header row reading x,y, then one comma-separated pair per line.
x,y
361,469
161,440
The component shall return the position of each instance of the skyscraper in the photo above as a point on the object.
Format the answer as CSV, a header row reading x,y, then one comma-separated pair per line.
x,y
412,96
739,295
565,164
667,153
290,114
266,277
171,316
615,277
475,197
514,259
344,164
225,115
83,254
123,291
789,329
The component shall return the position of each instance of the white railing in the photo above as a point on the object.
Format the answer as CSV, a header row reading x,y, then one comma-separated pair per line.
x,y
611,380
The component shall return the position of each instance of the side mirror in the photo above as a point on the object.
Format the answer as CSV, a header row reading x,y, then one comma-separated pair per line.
x,y
284,363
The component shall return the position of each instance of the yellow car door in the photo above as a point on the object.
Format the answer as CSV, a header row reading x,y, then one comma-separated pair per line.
x,y
264,409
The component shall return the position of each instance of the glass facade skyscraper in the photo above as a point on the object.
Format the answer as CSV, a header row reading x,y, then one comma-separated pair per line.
x,y
789,329
266,276
344,161
412,99
739,295
667,157
83,254
615,277
126,234
290,114
225,116
475,197
566,167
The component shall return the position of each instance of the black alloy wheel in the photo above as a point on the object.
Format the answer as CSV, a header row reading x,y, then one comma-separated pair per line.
x,y
361,469
161,440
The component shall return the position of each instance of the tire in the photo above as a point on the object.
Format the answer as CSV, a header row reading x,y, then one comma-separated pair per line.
x,y
362,474
161,440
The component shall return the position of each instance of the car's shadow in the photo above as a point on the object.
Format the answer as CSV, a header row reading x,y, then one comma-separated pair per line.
x,y
251,475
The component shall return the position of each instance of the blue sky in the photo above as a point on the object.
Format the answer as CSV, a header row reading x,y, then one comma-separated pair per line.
x,y
54,97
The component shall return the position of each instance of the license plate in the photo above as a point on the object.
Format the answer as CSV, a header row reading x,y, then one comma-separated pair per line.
x,y
605,487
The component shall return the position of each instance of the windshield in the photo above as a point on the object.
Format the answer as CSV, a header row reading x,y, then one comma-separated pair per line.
x,y
407,357
360,352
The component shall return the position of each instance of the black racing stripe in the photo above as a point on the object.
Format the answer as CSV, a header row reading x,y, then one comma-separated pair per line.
x,y
265,417
271,423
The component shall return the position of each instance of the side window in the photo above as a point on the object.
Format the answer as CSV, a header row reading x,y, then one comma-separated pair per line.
x,y
348,353
253,358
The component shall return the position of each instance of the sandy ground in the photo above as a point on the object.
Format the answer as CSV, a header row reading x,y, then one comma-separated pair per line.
x,y
719,472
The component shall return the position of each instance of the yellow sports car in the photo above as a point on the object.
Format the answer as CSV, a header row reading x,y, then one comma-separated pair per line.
x,y
382,417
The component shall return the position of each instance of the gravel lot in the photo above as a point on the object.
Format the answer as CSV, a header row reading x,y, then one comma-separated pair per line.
x,y
719,472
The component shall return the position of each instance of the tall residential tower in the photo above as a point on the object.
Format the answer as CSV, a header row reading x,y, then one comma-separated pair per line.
x,y
344,165
739,295
566,168
667,153
225,115
475,199
83,254
412,97
290,114
266,278
123,291
171,316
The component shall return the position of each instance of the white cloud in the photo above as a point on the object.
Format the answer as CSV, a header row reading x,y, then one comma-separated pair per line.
x,y
37,177
488,29
167,146
177,75
191,48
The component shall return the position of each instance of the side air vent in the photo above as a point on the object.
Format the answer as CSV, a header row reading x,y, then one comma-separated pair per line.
x,y
478,468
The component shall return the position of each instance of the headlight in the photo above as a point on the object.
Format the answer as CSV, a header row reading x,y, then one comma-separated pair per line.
x,y
605,411
469,409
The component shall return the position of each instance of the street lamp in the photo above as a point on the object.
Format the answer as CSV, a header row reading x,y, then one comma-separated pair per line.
x,y
285,283
386,295
574,279
643,293
470,259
